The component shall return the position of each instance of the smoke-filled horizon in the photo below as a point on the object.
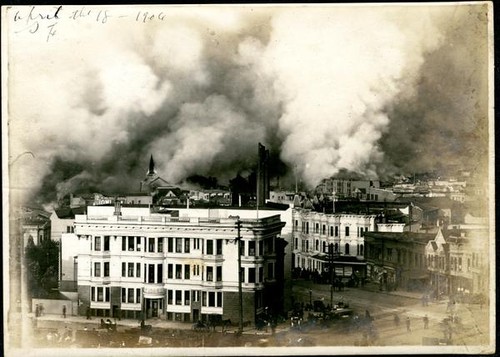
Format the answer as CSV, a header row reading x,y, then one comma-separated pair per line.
x,y
368,90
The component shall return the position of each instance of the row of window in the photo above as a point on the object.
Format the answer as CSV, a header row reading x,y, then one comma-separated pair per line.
x,y
182,271
154,272
182,297
131,270
434,261
476,260
98,246
132,244
153,244
131,295
256,275
325,247
252,248
333,231
183,245
455,262
98,271
99,294
400,256
174,297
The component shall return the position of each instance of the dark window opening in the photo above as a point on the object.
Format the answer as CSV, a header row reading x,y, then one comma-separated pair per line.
x,y
210,247
186,271
151,273
178,271
219,274
251,275
219,246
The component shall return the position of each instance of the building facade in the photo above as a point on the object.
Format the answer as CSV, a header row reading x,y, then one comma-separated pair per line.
x,y
315,232
130,263
348,188
35,225
396,260
458,262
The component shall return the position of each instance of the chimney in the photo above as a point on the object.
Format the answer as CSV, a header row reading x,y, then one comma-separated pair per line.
x,y
118,207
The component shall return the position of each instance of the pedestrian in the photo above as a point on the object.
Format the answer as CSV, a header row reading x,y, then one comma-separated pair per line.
x,y
37,310
426,322
88,313
408,324
396,320
450,331
64,311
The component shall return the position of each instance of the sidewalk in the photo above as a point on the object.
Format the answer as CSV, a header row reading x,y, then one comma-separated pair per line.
x,y
81,322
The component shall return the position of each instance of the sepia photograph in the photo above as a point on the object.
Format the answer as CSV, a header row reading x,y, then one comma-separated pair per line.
x,y
251,179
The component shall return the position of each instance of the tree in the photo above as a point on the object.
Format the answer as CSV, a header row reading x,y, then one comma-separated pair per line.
x,y
42,266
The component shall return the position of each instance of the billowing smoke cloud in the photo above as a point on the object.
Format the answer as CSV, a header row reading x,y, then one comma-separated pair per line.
x,y
337,79
326,90
445,121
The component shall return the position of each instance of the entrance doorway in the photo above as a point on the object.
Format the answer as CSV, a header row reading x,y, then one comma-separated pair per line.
x,y
116,313
154,307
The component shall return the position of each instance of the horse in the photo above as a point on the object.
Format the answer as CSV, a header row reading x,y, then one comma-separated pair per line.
x,y
200,326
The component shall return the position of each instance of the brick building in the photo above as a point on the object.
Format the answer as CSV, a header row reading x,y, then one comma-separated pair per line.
x,y
396,260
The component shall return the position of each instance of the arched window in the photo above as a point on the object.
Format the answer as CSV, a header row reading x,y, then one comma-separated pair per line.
x,y
336,247
347,249
324,247
361,249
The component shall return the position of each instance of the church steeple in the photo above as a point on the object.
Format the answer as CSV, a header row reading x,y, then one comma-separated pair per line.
x,y
152,181
152,170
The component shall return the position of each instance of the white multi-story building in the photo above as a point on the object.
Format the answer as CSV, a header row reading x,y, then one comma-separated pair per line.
x,y
129,262
314,232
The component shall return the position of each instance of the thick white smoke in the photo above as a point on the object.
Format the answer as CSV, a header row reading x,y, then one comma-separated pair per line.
x,y
338,69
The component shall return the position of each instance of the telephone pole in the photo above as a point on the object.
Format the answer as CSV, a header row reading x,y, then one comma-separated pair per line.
x,y
240,295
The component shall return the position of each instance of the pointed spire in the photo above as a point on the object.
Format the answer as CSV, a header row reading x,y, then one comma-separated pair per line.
x,y
152,170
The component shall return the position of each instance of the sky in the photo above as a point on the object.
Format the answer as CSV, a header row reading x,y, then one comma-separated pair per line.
x,y
368,90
